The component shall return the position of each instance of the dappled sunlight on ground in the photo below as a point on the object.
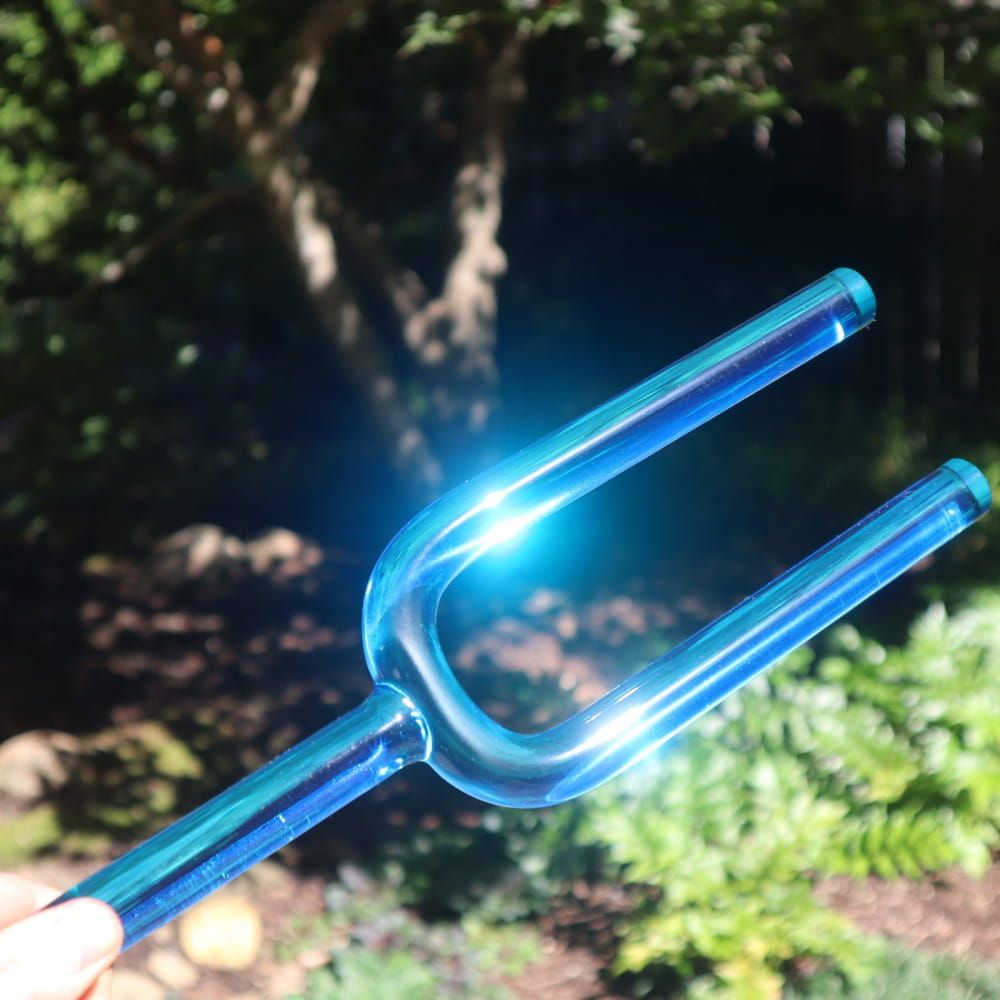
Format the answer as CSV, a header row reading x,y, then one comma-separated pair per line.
x,y
214,654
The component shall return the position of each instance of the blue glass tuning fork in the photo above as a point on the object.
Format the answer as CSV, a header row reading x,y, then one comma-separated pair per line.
x,y
418,710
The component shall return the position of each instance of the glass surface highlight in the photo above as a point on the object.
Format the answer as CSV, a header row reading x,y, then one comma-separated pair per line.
x,y
418,711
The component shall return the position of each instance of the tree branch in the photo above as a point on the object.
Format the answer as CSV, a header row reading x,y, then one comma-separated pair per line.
x,y
454,334
198,65
372,261
116,270
290,97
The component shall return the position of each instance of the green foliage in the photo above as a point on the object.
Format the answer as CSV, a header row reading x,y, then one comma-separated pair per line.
x,y
863,760
70,194
446,24
725,841
702,67
100,154
380,950
905,974
856,758
513,864
92,405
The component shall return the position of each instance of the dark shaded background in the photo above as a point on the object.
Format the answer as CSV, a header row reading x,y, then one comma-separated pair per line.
x,y
618,264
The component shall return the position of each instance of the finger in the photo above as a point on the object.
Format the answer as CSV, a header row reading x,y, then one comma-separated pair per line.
x,y
20,897
58,954
101,990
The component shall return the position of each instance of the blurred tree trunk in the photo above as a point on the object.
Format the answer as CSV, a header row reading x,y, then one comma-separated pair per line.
x,y
451,336
454,335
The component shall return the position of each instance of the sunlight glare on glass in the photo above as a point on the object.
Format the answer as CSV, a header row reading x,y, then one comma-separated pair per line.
x,y
619,727
507,529
493,499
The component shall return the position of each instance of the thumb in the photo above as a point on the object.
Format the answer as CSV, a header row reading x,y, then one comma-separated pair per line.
x,y
56,954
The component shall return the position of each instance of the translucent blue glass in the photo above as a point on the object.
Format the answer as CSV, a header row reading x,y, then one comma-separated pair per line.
x,y
418,711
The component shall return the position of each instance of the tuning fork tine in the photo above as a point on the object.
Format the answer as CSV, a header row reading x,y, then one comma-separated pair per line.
x,y
419,711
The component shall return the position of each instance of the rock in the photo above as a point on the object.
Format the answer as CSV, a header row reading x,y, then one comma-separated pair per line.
x,y
201,550
129,985
171,969
35,762
223,932
170,757
286,980
281,552
163,935
313,958
268,876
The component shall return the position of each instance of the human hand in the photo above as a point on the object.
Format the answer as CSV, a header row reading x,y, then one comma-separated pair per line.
x,y
56,954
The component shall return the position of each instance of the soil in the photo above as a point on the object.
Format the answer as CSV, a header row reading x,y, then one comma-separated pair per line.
x,y
240,648
953,914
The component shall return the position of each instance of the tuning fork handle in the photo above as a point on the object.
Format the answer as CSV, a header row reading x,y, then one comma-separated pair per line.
x,y
159,879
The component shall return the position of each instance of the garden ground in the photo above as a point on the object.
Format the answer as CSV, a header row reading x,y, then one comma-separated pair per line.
x,y
214,653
